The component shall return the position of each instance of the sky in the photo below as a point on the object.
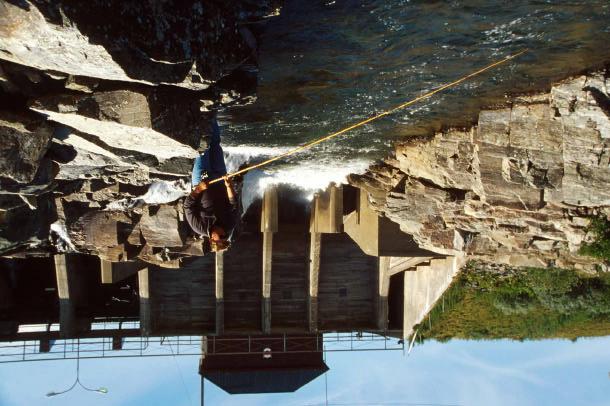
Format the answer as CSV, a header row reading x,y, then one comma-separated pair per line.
x,y
501,372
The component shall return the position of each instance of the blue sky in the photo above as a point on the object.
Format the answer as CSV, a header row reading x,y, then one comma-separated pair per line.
x,y
551,372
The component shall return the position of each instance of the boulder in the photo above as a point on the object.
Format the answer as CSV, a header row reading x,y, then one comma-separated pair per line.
x,y
24,140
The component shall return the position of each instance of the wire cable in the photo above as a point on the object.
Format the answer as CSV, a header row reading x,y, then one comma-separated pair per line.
x,y
373,118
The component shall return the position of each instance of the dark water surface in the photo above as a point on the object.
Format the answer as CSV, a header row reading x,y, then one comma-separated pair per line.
x,y
326,64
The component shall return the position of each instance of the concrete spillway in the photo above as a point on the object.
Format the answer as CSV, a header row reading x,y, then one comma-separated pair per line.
x,y
424,286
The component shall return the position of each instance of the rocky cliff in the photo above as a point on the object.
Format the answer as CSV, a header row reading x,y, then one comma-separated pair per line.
x,y
99,99
517,188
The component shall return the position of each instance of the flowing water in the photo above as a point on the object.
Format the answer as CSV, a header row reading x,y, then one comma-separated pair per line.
x,y
327,64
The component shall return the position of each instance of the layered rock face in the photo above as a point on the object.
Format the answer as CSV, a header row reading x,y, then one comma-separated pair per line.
x,y
100,99
517,189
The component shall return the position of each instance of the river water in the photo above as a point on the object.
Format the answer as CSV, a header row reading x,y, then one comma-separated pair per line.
x,y
327,64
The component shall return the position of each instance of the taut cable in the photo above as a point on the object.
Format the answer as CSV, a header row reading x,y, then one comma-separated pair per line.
x,y
368,120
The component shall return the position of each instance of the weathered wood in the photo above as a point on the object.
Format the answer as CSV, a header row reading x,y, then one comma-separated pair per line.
x,y
383,292
315,249
269,211
266,279
347,286
289,284
219,277
267,263
219,293
70,292
61,275
144,293
184,301
220,317
312,313
266,315
243,284
384,275
327,211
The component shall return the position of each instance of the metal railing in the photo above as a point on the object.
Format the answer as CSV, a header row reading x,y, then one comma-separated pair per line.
x,y
109,347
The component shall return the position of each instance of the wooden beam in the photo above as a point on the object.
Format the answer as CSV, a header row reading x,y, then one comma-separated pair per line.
x,y
67,307
219,275
61,275
269,225
144,293
327,211
266,315
267,263
269,211
315,249
336,209
382,293
219,281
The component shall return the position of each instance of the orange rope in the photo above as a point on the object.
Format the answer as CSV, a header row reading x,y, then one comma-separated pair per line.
x,y
368,120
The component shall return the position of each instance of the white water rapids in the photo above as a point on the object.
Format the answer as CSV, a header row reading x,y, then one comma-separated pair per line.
x,y
308,176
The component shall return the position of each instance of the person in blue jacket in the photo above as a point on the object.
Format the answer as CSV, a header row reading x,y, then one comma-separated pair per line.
x,y
212,210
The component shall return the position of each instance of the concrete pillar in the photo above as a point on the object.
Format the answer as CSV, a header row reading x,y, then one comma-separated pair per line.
x,y
327,211
315,249
269,225
401,264
269,211
69,291
335,208
383,291
144,293
220,306
267,262
61,274
424,286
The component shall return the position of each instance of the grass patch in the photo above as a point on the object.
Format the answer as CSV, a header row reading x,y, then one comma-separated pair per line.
x,y
524,304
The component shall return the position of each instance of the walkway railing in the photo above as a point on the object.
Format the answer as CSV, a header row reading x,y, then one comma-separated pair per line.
x,y
109,347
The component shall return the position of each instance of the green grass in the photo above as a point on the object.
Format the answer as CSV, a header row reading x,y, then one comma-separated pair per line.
x,y
526,304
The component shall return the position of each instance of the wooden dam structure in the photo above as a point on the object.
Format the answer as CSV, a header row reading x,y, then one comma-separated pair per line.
x,y
298,270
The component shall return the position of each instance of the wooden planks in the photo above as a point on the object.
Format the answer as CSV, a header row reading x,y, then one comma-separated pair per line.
x,y
183,301
347,285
